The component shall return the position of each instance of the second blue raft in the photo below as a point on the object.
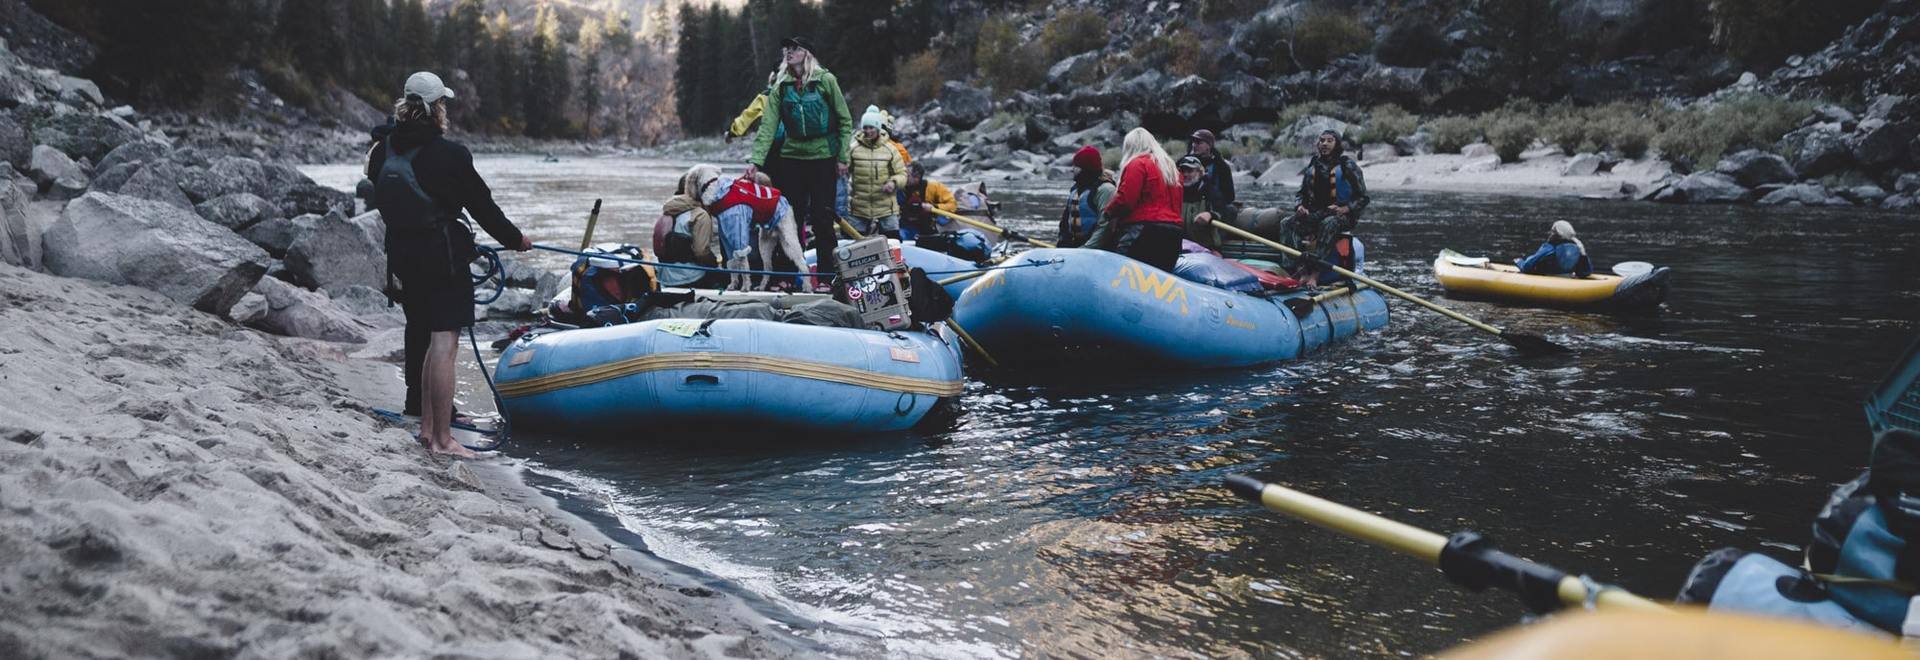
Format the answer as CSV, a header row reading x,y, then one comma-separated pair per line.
x,y
1102,308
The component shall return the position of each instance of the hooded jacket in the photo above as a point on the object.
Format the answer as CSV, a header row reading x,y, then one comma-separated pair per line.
x,y
834,145
445,171
875,163
1144,196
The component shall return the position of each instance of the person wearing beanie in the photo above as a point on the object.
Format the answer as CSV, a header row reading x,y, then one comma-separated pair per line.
x,y
1562,254
1333,192
807,108
1083,223
878,171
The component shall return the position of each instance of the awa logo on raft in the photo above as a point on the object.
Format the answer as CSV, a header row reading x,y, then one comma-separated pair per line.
x,y
1164,288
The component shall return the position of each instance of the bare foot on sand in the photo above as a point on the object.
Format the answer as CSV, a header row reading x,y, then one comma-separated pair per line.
x,y
449,447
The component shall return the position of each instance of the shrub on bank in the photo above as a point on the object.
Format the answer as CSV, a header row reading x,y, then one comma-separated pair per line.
x,y
1005,62
1072,32
916,79
1702,135
1324,35
1452,133
1510,134
1334,109
1411,40
1386,123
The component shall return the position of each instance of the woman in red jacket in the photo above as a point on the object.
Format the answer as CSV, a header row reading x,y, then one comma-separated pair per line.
x,y
1146,207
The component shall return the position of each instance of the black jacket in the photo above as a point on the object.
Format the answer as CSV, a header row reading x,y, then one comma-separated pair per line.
x,y
1215,186
445,171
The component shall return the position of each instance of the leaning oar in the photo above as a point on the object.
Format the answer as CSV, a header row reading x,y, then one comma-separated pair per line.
x,y
592,219
1467,558
848,227
1301,307
1526,342
1003,231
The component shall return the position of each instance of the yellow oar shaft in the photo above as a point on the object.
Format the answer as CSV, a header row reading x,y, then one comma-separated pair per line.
x,y
1414,541
968,340
976,223
962,277
1361,278
848,227
592,219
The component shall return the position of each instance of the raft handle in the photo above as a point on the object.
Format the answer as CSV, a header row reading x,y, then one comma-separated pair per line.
x,y
703,379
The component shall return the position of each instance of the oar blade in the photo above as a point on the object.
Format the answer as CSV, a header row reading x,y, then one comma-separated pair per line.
x,y
1533,344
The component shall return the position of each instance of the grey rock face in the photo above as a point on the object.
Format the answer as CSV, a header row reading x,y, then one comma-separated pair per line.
x,y
1077,70
158,181
311,197
203,183
19,238
59,177
80,92
15,148
1418,144
238,211
1478,150
82,135
1886,144
1703,188
964,106
1285,172
1304,131
1754,167
133,152
340,252
276,235
1822,148
127,240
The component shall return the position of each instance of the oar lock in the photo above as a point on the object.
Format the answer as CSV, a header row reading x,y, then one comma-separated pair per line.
x,y
1471,560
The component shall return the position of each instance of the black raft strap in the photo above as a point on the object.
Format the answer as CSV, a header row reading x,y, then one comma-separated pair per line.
x,y
1472,561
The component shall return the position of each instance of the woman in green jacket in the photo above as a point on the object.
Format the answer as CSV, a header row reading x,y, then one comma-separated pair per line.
x,y
806,102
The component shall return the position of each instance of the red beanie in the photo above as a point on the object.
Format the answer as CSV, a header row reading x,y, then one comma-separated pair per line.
x,y
1087,158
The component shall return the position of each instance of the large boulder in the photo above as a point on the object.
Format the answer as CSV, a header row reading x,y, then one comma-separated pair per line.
x,y
1703,188
1283,172
1801,194
1418,144
85,135
340,252
1478,150
204,183
311,197
277,234
238,211
1305,130
158,181
1886,143
15,147
133,152
1754,167
1379,152
127,240
1582,164
964,106
59,177
19,239
285,309
1074,71
1819,149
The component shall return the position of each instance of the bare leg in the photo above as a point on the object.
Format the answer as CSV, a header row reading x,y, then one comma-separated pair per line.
x,y
436,409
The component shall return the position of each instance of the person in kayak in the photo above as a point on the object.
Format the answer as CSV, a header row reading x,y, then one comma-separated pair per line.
x,y
1562,254
1146,205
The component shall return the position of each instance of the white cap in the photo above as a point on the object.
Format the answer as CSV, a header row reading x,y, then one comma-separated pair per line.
x,y
428,87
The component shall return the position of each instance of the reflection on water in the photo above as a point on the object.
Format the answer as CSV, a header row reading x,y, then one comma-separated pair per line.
x,y
1086,517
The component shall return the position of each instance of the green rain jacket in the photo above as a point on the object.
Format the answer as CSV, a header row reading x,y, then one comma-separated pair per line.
x,y
836,143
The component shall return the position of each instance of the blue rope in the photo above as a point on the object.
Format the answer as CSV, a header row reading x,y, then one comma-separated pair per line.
x,y
731,271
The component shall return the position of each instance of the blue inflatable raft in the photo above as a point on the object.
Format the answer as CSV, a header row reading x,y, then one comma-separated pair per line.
x,y
727,374
1094,306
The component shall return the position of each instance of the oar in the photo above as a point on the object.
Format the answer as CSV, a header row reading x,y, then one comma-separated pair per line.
x,y
1301,307
848,227
1467,558
1003,231
592,219
1526,342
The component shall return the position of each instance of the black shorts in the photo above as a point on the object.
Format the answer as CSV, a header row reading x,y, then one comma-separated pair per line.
x,y
437,292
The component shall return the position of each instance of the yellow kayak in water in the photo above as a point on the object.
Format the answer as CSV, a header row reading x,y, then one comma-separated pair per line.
x,y
1480,278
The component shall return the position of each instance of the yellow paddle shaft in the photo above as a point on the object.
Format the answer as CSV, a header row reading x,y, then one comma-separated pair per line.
x,y
976,223
592,219
968,340
1418,543
848,227
1361,278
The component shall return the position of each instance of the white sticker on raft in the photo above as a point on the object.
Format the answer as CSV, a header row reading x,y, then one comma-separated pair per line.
x,y
521,358
904,354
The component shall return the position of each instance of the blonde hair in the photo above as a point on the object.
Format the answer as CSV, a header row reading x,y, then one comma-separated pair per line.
x,y
806,68
1140,142
1564,229
412,110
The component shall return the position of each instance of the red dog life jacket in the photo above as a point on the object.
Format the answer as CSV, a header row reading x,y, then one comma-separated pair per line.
x,y
764,200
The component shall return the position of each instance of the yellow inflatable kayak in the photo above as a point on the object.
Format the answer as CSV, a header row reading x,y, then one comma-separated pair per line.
x,y
1479,278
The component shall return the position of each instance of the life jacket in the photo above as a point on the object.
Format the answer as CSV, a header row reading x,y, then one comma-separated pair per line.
x,y
804,113
599,281
403,204
1081,216
677,245
764,200
1346,252
1336,183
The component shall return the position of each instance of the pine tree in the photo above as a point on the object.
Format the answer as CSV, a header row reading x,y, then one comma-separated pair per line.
x,y
687,62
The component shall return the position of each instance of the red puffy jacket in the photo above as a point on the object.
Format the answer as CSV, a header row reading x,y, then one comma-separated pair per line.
x,y
1144,195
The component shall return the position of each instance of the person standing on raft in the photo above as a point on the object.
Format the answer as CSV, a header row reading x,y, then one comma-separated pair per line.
x,y
878,172
1146,205
422,181
807,104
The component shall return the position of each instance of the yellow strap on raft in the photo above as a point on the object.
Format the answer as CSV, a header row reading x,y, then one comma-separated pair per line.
x,y
729,362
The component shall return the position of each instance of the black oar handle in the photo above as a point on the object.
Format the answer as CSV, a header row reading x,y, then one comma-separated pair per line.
x,y
1472,561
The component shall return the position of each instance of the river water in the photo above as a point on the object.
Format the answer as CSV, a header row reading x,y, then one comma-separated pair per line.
x,y
1085,517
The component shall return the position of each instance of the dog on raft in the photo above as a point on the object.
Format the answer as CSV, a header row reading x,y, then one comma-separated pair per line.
x,y
750,212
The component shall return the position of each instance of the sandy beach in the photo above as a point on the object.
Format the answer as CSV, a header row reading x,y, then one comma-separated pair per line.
x,y
1537,174
177,485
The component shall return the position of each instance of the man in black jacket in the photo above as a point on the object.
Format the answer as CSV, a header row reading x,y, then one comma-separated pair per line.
x,y
428,250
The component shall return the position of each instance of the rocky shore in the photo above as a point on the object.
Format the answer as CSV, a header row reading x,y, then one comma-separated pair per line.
x,y
189,466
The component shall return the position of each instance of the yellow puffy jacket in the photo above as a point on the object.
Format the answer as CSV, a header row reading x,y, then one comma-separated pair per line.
x,y
743,123
874,164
